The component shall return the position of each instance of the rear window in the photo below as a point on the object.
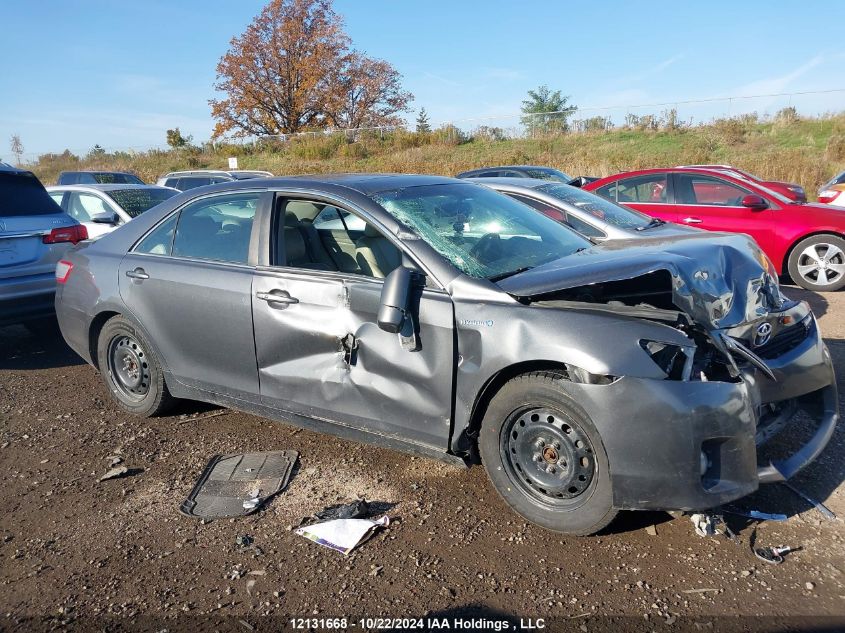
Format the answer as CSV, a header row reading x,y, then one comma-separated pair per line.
x,y
136,201
23,194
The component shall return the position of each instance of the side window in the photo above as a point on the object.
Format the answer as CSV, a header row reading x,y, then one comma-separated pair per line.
x,y
171,182
86,179
83,206
546,209
584,228
217,228
160,239
57,197
608,191
650,189
695,189
190,183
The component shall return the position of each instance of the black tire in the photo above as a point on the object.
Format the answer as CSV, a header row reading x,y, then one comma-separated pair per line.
x,y
563,487
818,263
131,370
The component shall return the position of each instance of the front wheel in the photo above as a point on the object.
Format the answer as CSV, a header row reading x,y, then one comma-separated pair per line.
x,y
131,370
545,456
818,263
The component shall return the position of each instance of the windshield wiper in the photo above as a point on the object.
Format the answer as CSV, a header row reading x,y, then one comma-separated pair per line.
x,y
654,222
511,273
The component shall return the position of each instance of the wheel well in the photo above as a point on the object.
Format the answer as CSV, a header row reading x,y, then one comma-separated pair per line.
x,y
785,263
94,334
496,382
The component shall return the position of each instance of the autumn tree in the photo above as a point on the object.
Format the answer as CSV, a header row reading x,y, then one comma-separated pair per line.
x,y
365,92
176,140
16,146
294,69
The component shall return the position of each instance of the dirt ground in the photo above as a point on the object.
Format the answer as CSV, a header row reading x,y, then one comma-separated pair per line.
x,y
76,553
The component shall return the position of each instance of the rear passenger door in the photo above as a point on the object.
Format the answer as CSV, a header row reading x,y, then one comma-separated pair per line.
x,y
189,283
322,355
648,193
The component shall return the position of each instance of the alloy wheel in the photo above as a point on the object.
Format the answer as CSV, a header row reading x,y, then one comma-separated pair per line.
x,y
821,264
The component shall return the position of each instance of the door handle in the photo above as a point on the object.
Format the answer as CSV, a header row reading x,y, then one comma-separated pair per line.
x,y
270,297
138,273
692,220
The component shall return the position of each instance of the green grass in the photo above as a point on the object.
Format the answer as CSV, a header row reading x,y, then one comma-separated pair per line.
x,y
807,151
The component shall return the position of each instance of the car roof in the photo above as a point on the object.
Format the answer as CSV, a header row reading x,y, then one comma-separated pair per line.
x,y
96,171
12,169
111,186
363,183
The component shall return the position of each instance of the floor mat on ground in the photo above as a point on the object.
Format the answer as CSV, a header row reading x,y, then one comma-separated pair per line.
x,y
237,485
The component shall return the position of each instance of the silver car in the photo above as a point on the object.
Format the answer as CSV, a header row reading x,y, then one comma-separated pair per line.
x,y
461,324
34,234
592,216
192,178
102,208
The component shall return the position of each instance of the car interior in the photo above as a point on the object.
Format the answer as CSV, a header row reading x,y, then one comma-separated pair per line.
x,y
318,236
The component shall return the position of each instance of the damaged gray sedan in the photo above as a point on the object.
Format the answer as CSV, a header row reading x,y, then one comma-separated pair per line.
x,y
438,317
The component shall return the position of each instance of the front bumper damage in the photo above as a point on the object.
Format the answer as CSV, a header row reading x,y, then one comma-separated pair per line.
x,y
693,445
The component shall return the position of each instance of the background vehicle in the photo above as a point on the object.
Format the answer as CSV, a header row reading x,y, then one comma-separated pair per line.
x,y
461,320
790,190
98,177
184,180
34,234
594,217
517,171
838,179
804,240
102,208
833,195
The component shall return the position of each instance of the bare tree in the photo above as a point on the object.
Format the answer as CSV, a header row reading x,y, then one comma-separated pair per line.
x,y
16,146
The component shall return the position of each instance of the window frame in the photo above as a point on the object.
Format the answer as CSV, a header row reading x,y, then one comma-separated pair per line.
x,y
254,239
670,189
710,204
265,242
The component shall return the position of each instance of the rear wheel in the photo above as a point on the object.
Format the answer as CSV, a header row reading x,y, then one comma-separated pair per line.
x,y
818,263
545,456
131,370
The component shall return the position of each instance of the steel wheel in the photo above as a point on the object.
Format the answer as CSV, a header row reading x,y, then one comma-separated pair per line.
x,y
128,367
821,264
548,456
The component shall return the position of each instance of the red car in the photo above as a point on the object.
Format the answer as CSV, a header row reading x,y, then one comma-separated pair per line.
x,y
792,191
804,241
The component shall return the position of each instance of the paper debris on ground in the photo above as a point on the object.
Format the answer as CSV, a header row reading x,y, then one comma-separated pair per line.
x,y
342,535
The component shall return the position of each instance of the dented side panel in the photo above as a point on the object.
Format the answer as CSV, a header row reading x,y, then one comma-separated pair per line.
x,y
326,357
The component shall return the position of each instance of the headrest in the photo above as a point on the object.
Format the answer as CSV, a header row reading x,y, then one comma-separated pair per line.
x,y
294,245
301,210
371,231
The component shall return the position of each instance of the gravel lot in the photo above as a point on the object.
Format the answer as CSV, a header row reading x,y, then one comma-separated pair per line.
x,y
77,552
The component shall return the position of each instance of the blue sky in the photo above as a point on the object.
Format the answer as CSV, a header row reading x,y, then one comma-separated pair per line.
x,y
80,72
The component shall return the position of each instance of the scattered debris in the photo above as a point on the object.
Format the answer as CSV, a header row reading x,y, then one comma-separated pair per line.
x,y
246,625
114,460
342,535
358,509
115,473
773,555
213,414
710,525
818,505
651,530
754,514
809,586
238,484
701,590
243,540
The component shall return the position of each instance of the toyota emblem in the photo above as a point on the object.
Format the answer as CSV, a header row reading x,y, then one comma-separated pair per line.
x,y
764,333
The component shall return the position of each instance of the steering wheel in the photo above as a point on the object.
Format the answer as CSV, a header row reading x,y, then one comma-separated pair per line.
x,y
484,247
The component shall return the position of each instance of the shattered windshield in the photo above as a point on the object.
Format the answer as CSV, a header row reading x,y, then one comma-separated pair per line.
x,y
598,207
483,233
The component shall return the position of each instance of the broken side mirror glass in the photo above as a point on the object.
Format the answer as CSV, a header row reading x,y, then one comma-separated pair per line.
x,y
395,296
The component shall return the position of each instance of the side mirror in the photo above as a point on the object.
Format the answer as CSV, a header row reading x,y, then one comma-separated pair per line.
x,y
394,300
105,218
754,202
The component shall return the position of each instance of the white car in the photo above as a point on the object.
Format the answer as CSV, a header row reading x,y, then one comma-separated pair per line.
x,y
102,208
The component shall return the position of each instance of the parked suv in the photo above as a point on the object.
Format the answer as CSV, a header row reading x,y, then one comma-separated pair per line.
x,y
98,177
517,171
184,180
34,234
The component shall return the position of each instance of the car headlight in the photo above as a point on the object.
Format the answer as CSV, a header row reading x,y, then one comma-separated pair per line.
x,y
674,360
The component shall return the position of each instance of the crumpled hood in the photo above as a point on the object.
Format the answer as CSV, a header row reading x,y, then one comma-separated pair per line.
x,y
720,280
